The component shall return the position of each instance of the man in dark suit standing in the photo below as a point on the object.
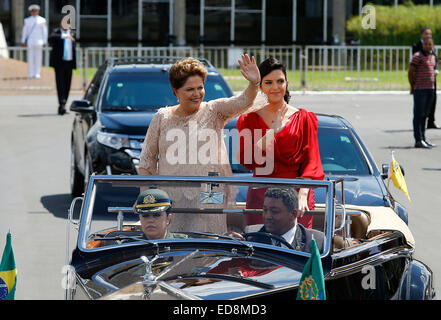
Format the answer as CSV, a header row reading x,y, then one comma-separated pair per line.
x,y
63,60
426,32
280,219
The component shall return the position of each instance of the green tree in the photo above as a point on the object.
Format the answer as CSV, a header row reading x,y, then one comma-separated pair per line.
x,y
400,25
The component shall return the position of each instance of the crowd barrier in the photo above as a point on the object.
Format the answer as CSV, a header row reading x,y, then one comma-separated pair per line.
x,y
365,68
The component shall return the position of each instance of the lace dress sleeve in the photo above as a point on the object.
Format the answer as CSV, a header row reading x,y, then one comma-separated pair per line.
x,y
150,147
229,108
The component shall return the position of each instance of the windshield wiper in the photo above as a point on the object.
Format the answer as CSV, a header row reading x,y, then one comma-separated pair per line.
x,y
120,108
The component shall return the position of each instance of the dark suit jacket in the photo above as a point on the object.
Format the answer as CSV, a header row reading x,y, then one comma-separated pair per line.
x,y
417,47
57,44
303,238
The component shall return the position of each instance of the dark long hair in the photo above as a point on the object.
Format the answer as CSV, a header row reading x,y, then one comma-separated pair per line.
x,y
268,66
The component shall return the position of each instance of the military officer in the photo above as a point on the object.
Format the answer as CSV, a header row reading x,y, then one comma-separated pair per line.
x,y
34,37
153,208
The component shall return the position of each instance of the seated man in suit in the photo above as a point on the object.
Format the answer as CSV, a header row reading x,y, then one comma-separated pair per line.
x,y
280,219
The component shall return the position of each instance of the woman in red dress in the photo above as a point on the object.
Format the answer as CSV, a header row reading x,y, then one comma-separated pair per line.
x,y
288,143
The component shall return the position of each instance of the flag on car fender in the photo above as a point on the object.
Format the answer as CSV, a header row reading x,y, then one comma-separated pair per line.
x,y
397,176
312,282
8,272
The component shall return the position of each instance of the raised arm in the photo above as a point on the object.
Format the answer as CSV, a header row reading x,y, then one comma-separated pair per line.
x,y
250,71
232,107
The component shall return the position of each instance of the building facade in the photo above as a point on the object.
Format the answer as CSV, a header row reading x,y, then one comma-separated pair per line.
x,y
195,22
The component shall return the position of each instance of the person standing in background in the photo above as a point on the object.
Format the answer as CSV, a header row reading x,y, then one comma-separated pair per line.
x,y
426,32
422,79
34,37
63,60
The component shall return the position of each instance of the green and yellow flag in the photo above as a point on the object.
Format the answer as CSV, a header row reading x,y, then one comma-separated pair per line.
x,y
8,272
312,282
397,176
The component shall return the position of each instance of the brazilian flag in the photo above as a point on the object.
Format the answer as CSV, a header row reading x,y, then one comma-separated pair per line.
x,y
8,272
312,282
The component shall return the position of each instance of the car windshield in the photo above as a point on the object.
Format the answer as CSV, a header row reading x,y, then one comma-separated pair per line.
x,y
151,90
340,153
201,208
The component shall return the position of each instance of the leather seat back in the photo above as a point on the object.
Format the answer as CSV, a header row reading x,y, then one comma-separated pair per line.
x,y
360,225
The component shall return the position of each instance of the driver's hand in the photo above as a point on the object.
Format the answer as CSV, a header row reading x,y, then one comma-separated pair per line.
x,y
235,235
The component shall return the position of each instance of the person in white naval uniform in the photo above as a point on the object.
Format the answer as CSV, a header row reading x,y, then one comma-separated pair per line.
x,y
34,37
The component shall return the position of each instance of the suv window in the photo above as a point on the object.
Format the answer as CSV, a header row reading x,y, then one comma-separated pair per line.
x,y
340,153
92,90
150,91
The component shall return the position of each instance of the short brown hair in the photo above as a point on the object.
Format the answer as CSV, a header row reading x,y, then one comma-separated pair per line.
x,y
185,68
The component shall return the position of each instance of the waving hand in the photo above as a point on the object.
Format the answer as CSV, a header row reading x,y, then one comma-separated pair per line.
x,y
249,69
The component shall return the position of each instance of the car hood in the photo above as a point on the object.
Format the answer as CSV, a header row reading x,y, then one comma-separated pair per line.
x,y
212,272
230,278
131,123
359,190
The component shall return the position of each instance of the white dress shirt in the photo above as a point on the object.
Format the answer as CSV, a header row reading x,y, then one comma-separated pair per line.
x,y
290,235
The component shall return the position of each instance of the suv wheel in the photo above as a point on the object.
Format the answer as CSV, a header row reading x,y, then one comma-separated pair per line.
x,y
76,178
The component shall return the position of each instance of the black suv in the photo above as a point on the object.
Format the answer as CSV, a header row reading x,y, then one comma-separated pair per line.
x,y
112,119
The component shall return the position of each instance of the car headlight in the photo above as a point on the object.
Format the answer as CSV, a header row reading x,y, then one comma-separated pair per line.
x,y
112,140
136,144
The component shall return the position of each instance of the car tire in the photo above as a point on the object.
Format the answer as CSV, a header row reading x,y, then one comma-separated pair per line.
x,y
76,178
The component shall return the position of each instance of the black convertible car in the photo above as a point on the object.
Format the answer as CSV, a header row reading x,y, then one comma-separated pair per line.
x,y
112,119
366,251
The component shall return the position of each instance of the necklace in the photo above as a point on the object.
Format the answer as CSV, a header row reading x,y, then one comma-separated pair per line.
x,y
274,113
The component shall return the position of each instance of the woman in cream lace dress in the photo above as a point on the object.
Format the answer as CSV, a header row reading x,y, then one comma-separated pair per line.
x,y
187,139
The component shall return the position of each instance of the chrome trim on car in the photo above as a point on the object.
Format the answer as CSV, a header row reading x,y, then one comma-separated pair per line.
x,y
372,260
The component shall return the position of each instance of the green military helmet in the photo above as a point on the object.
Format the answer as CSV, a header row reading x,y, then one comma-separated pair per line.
x,y
151,201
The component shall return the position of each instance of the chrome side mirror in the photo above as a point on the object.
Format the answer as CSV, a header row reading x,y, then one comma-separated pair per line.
x,y
385,170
